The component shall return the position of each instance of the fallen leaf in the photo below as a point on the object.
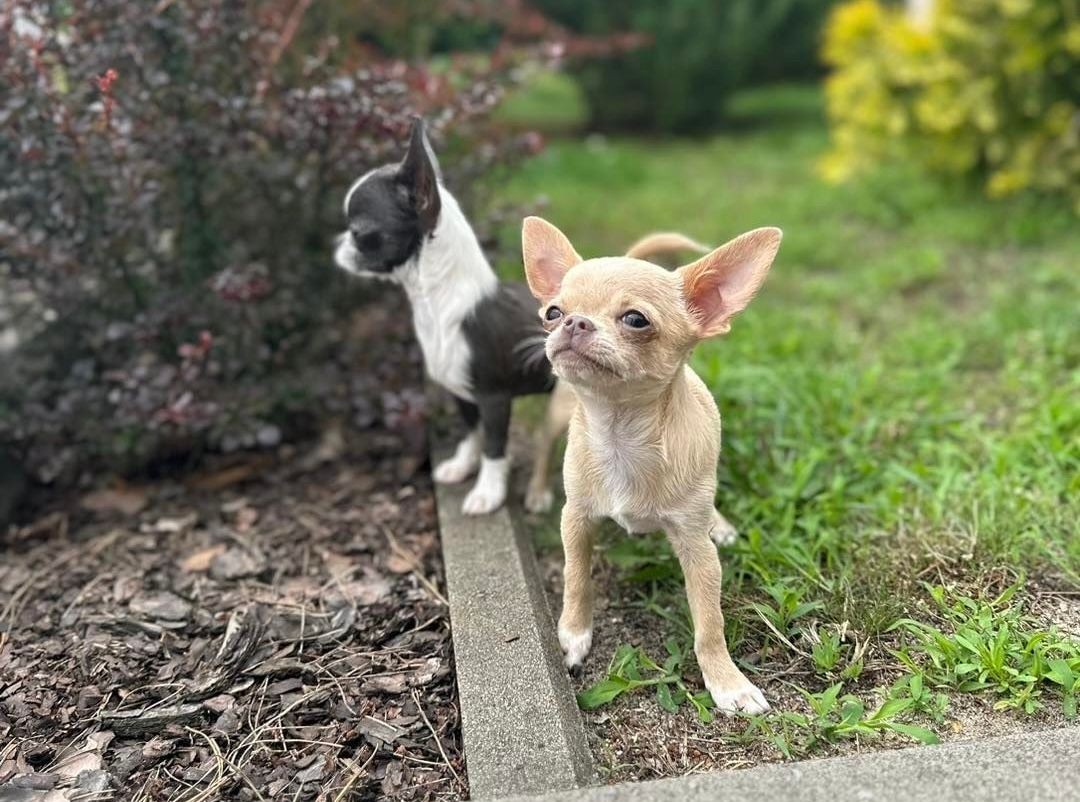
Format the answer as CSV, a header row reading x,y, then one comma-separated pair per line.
x,y
428,670
172,526
130,723
331,446
219,703
387,733
55,524
125,588
87,758
312,773
226,477
399,563
246,518
337,565
284,686
386,683
369,590
122,499
200,560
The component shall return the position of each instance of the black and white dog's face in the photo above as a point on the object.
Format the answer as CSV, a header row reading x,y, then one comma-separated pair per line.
x,y
391,211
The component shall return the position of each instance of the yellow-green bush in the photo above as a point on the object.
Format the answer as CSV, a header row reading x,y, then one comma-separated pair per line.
x,y
988,87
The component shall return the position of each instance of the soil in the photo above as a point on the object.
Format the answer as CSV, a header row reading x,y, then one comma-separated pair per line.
x,y
272,626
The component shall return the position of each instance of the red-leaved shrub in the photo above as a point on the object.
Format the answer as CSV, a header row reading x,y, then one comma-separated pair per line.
x,y
172,179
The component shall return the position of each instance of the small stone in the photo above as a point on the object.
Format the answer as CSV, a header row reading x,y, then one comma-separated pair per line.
x,y
284,686
235,564
268,436
227,723
36,782
88,698
94,781
312,773
219,703
165,605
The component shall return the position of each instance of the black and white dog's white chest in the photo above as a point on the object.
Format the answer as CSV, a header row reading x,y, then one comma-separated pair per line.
x,y
447,355
497,348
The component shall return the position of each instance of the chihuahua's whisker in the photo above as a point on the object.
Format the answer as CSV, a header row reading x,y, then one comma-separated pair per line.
x,y
531,342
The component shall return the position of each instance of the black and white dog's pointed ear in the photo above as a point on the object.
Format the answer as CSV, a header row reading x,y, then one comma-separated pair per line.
x,y
419,172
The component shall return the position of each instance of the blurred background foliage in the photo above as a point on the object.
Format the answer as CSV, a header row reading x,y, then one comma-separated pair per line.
x,y
699,53
986,88
173,171
173,179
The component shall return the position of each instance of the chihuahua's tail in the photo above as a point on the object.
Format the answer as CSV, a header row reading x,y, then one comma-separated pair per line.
x,y
664,242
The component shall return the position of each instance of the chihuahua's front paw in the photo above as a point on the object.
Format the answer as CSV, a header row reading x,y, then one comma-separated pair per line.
x,y
539,500
454,470
722,532
575,645
740,696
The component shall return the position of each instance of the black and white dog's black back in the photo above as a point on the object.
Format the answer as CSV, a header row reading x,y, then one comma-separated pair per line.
x,y
481,338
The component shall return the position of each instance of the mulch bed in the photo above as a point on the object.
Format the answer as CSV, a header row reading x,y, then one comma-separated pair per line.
x,y
270,627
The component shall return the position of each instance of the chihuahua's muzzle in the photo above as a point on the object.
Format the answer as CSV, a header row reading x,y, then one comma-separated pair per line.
x,y
577,335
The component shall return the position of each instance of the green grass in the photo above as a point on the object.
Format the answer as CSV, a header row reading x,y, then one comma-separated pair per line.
x,y
547,101
902,400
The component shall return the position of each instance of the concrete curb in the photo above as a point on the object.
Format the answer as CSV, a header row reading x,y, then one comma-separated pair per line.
x,y
1043,766
523,731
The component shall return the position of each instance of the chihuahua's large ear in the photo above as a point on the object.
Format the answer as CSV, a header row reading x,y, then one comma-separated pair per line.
x,y
419,172
721,284
548,254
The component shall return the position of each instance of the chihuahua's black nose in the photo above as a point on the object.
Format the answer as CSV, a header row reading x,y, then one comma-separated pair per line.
x,y
578,324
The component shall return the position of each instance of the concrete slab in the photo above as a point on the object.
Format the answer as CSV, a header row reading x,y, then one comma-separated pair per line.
x,y
1034,767
522,728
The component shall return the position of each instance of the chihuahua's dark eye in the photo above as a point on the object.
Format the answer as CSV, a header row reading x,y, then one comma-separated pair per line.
x,y
552,313
635,320
368,242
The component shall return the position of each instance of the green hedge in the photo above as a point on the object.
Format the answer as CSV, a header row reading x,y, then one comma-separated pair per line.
x,y
701,52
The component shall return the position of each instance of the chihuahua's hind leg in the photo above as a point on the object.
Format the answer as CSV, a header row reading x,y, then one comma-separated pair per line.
x,y
722,532
731,691
466,456
538,497
575,622
489,492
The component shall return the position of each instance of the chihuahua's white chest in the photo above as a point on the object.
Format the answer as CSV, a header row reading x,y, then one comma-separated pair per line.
x,y
632,466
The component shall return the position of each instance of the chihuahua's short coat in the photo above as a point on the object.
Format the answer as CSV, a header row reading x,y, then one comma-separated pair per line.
x,y
645,436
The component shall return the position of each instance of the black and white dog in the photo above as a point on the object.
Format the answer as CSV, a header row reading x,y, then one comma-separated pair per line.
x,y
481,338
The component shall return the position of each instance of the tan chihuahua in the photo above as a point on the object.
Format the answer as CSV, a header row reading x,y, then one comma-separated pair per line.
x,y
645,435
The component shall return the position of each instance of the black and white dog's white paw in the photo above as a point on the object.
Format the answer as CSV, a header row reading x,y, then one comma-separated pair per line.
x,y
462,465
489,492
